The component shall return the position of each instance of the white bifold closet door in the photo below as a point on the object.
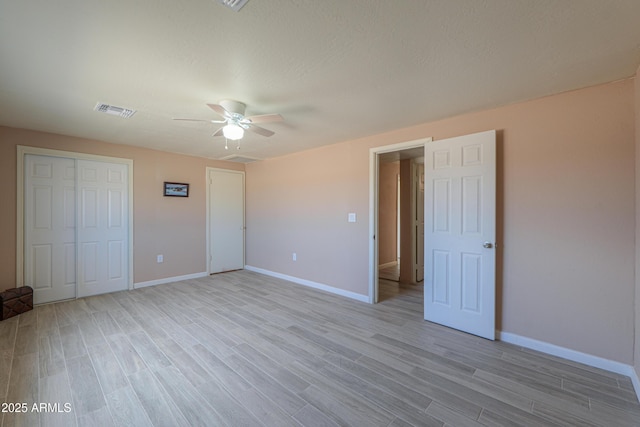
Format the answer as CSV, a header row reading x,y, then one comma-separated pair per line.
x,y
75,227
49,227
102,227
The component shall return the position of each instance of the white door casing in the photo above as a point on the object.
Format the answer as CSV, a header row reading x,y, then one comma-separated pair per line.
x,y
49,227
418,172
460,233
226,229
102,227
374,171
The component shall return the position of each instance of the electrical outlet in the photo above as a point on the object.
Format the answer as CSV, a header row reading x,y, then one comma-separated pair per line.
x,y
160,258
294,256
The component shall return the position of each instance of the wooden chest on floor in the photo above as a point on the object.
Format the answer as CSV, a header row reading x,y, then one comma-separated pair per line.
x,y
15,301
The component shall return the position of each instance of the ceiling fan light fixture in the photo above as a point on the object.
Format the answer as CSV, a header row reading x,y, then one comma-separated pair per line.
x,y
233,132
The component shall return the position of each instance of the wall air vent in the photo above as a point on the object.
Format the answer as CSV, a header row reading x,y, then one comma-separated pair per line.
x,y
233,4
125,113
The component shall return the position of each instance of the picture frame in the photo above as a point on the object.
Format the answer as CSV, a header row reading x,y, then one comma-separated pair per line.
x,y
176,189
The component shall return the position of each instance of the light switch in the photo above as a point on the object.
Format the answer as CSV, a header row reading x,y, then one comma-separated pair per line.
x,y
352,217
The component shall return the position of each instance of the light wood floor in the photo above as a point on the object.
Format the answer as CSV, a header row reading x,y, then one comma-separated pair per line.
x,y
244,349
391,273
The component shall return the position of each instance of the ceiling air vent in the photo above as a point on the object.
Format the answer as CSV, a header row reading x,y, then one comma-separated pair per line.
x,y
125,113
240,159
233,4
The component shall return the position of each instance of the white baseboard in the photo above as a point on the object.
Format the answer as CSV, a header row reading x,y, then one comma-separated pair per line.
x,y
169,280
636,382
573,355
309,283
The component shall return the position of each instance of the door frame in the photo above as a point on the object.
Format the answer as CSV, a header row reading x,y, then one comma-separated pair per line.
x,y
208,219
374,172
22,151
415,184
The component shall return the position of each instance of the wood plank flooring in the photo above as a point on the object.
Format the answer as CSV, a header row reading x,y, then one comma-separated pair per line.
x,y
390,273
241,349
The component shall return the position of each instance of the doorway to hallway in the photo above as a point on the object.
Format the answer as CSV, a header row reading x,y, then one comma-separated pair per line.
x,y
400,222
459,242
394,214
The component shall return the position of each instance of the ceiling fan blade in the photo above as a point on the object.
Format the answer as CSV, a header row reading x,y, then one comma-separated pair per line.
x,y
218,132
220,110
260,131
265,118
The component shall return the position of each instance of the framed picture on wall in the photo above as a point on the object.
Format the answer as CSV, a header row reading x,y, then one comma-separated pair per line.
x,y
176,189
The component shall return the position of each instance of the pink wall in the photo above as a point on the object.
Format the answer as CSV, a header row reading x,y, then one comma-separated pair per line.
x,y
565,203
322,186
174,227
388,212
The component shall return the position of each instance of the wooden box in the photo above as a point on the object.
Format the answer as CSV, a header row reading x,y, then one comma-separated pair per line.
x,y
15,301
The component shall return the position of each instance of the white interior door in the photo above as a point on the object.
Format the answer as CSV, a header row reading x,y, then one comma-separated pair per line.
x,y
49,227
226,220
102,227
460,209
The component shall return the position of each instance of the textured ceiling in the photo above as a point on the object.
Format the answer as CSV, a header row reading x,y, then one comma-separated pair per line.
x,y
336,70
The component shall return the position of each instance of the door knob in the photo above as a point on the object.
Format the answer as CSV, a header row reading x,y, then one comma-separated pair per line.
x,y
487,245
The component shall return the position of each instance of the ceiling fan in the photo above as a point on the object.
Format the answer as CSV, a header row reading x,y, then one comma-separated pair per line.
x,y
232,113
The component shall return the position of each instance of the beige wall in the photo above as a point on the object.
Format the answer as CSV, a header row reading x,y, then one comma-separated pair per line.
x,y
322,186
388,212
174,227
565,203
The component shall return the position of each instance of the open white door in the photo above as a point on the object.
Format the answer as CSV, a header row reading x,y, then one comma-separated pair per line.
x,y
460,233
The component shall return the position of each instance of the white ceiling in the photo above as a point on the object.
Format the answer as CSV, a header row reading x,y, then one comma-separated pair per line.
x,y
336,70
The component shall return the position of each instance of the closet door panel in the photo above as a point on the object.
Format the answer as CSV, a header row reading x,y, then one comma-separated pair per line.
x,y
103,228
49,227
